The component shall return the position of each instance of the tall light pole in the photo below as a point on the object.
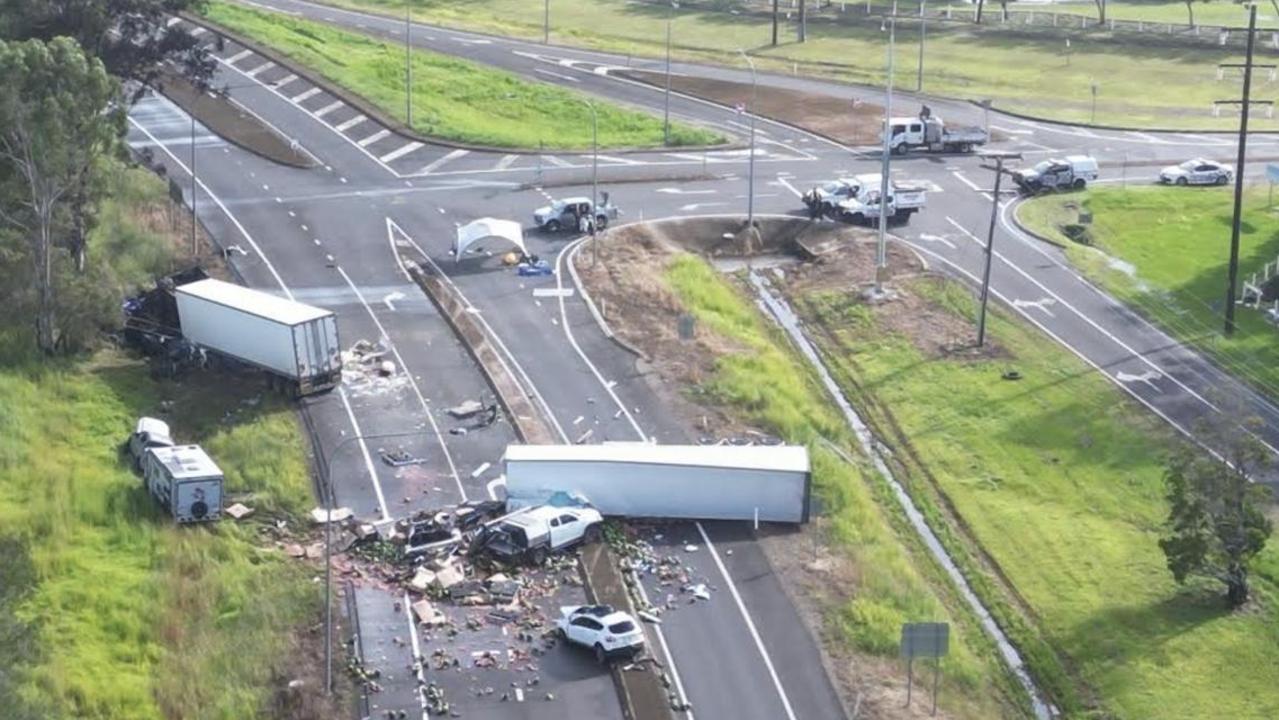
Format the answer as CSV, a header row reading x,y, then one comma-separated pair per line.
x,y
194,245
328,545
666,111
750,191
999,159
923,32
408,64
881,248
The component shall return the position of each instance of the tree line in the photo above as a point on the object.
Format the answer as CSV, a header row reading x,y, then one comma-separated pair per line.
x,y
68,71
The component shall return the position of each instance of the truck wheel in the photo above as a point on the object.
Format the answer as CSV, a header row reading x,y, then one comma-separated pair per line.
x,y
553,226
965,147
858,219
537,556
1182,181
1079,184
901,149
592,535
600,656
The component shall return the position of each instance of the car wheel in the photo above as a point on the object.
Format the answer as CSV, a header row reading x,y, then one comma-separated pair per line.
x,y
600,656
858,218
1223,179
1079,184
1182,181
537,556
553,226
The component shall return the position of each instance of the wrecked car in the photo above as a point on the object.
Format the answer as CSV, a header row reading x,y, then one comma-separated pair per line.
x,y
532,534
609,632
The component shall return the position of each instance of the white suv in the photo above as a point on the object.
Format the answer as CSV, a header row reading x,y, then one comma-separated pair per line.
x,y
609,632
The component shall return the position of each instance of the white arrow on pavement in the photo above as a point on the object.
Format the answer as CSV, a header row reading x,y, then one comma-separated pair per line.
x,y
937,239
1149,377
391,298
682,191
236,249
1040,304
694,206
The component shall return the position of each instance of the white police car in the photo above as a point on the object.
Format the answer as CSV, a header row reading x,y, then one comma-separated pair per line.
x,y
1197,172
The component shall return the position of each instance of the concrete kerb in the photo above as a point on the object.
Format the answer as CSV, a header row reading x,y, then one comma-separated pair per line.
x,y
1117,128
395,125
1016,210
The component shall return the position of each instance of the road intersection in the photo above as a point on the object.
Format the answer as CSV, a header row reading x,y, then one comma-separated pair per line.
x,y
330,236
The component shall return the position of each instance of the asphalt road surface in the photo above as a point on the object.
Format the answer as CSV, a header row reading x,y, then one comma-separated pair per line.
x,y
329,237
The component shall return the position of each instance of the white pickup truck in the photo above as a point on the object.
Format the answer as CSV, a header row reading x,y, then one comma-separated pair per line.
x,y
931,133
904,199
533,533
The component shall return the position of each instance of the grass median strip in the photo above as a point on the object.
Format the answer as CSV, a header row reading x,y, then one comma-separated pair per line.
x,y
1058,479
1026,70
454,99
1164,251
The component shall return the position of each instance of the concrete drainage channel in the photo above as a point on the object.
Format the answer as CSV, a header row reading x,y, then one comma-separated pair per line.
x,y
781,313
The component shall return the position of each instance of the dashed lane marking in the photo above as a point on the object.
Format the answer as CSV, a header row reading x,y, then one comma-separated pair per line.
x,y
440,162
401,151
557,162
369,140
619,161
350,123
505,162
329,108
261,68
304,95
238,57
284,81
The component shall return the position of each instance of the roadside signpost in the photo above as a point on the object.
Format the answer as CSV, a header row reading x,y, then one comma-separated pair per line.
x,y
924,640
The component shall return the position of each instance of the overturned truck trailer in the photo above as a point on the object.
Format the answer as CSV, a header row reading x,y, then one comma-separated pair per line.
x,y
704,482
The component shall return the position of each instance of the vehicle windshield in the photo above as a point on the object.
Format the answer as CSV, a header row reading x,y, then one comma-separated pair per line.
x,y
832,187
1043,166
621,628
557,205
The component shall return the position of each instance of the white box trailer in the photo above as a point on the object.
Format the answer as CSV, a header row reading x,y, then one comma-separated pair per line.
x,y
705,482
185,481
292,341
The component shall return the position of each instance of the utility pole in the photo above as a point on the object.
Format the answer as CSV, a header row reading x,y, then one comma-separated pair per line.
x,y
923,32
999,159
750,185
881,248
195,250
666,109
802,30
595,179
1233,272
408,64
546,22
775,23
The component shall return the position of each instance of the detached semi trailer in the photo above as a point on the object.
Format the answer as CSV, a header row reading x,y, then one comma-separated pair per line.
x,y
704,482
295,344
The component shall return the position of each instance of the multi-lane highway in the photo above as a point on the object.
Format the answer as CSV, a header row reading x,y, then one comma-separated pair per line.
x,y
330,236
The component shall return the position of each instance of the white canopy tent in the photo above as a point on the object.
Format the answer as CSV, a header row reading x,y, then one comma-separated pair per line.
x,y
485,229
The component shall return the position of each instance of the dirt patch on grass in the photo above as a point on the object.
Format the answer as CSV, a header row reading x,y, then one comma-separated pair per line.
x,y
846,120
235,124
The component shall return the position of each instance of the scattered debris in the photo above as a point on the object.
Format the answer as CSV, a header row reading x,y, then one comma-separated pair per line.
x,y
399,457
428,615
239,511
690,548
320,515
466,409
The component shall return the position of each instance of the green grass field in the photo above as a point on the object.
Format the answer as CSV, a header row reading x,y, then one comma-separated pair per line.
x,y
107,610
769,385
454,99
1059,478
1029,73
1164,251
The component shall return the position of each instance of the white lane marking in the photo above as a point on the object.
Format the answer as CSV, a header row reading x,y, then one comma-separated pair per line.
x,y
1040,304
500,480
682,191
1039,146
618,160
238,57
552,292
1141,357
172,21
364,449
556,75
369,140
417,655
1148,137
527,387
750,625
481,469
441,161
401,152
1011,131
1149,377
197,31
557,162
329,108
350,123
786,184
571,250
390,298
686,156
304,95
960,177
260,69
692,207
1205,140
426,408
284,81
937,239
505,162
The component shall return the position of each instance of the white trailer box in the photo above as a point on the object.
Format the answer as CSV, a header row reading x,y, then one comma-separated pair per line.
x,y
288,339
719,482
185,481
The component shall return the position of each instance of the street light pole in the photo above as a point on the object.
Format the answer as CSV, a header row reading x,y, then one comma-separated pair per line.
x,y
408,64
923,31
881,249
328,545
750,191
195,250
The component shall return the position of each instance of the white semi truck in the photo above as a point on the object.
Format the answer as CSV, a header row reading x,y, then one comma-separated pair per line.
x,y
295,344
931,133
